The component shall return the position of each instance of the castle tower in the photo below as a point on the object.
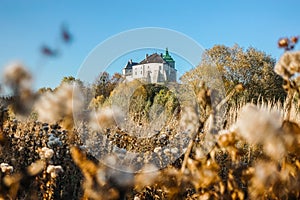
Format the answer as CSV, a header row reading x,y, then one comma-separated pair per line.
x,y
169,59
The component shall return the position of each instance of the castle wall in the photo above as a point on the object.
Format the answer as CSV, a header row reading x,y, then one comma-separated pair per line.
x,y
152,72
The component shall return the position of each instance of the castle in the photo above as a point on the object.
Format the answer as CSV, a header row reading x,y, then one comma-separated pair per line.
x,y
156,68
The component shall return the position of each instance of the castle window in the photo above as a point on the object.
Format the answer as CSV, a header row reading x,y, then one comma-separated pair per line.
x,y
141,72
135,73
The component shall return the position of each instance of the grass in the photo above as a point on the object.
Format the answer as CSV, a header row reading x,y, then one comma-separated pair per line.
x,y
250,152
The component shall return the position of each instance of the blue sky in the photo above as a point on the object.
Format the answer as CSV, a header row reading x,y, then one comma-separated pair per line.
x,y
26,25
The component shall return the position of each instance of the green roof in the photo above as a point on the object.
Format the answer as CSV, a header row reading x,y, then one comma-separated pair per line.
x,y
167,57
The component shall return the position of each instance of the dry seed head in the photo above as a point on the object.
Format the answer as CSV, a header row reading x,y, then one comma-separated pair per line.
x,y
174,150
294,39
189,121
54,170
256,124
46,153
260,126
283,42
12,180
16,76
101,176
239,87
36,167
275,148
226,138
207,175
157,149
62,103
6,168
288,65
137,198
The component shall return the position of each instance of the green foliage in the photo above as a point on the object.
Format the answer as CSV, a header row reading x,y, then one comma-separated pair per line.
x,y
152,100
162,97
33,116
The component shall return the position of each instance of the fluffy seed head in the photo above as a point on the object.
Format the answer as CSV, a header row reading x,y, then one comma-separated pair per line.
x,y
17,76
54,170
62,103
288,65
6,168
46,153
260,126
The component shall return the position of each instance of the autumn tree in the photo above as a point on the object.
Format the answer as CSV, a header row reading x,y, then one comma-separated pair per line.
x,y
104,84
71,79
251,68
44,90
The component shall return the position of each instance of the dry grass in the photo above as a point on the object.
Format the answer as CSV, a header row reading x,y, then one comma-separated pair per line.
x,y
254,155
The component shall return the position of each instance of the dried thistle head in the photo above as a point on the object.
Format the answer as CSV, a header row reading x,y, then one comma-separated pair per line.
x,y
54,170
6,168
226,138
203,95
17,77
36,167
283,42
294,39
255,123
239,87
288,44
260,126
60,104
189,121
45,153
203,176
288,65
14,181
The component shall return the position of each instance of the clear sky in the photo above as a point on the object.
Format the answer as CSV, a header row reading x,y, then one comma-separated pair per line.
x,y
25,25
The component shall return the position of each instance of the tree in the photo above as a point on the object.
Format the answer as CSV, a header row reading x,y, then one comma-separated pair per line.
x,y
104,85
251,68
71,79
43,90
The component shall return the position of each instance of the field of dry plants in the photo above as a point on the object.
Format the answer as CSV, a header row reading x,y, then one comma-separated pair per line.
x,y
49,149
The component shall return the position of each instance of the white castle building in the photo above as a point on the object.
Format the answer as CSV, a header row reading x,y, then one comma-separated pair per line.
x,y
156,68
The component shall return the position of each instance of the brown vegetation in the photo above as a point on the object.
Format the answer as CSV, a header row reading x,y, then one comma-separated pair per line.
x,y
165,146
